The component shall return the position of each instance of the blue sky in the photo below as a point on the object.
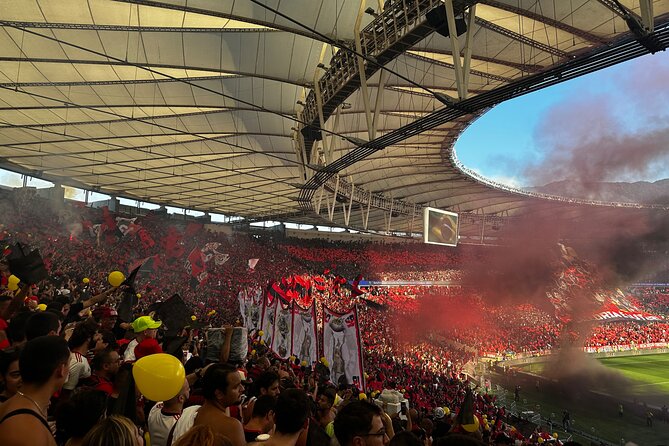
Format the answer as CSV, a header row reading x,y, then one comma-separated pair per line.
x,y
619,116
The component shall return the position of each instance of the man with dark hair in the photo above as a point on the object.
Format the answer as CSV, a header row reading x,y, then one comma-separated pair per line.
x,y
262,418
222,388
360,423
79,368
44,367
44,323
293,409
104,367
16,330
267,383
325,403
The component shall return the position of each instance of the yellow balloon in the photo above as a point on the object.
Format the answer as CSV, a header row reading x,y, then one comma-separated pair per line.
x,y
472,427
303,363
362,396
447,411
159,376
41,307
86,280
11,286
261,333
116,278
193,318
139,295
13,279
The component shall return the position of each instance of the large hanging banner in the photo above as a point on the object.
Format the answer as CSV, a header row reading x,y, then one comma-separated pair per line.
x,y
283,329
268,315
305,344
342,346
251,306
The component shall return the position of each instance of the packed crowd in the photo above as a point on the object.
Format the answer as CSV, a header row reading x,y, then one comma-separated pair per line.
x,y
71,369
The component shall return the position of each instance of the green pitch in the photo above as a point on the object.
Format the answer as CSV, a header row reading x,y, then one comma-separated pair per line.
x,y
649,381
649,373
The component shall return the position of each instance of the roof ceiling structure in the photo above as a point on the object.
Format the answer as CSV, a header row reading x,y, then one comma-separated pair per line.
x,y
201,103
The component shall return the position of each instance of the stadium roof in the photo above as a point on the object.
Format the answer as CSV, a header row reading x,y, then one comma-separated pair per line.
x,y
217,105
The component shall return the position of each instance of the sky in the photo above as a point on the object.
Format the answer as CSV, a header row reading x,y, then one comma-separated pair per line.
x,y
611,125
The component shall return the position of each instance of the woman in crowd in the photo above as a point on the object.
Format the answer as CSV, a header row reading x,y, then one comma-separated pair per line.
x,y
9,373
114,430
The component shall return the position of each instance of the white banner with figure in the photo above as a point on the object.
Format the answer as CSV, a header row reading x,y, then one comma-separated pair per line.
x,y
283,329
305,338
253,304
268,315
342,346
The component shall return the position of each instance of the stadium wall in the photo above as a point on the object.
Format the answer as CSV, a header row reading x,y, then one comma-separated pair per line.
x,y
607,354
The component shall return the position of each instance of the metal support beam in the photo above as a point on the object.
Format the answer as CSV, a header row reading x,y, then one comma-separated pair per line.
x,y
379,97
361,70
561,55
330,153
468,48
320,200
334,199
390,214
647,16
347,212
365,214
455,47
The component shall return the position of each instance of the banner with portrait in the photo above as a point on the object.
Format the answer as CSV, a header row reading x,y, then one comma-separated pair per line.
x,y
342,346
283,329
305,340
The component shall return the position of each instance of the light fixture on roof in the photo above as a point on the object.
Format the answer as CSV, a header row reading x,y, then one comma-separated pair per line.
x,y
300,103
322,67
371,12
346,106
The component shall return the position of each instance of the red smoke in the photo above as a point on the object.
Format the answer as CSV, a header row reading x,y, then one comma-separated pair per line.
x,y
619,133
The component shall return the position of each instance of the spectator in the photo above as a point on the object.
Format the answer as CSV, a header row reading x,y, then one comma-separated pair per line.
x,y
43,323
114,430
293,410
44,365
222,388
105,366
202,436
262,419
164,415
9,373
145,328
78,415
360,423
325,413
267,383
79,367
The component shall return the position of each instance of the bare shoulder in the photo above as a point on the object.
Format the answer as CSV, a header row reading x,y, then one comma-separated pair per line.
x,y
24,429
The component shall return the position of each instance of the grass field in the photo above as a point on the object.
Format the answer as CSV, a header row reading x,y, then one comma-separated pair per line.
x,y
649,383
649,373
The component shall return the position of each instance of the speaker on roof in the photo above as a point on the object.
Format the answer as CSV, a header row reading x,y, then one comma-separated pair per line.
x,y
437,19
